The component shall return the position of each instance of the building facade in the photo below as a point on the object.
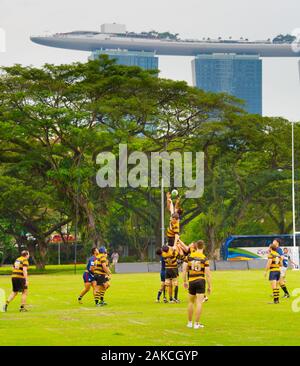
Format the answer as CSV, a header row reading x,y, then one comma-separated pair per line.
x,y
238,75
145,60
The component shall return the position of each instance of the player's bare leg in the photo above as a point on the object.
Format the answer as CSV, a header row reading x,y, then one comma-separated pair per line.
x,y
191,306
87,287
198,310
175,286
169,289
9,299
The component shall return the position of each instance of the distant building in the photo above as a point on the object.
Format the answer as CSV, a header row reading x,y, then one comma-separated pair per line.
x,y
238,75
145,60
220,65
113,28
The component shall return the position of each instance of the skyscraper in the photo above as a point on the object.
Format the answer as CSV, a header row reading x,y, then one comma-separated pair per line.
x,y
145,60
238,75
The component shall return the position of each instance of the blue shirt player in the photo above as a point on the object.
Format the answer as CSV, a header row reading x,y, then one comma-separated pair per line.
x,y
162,277
88,276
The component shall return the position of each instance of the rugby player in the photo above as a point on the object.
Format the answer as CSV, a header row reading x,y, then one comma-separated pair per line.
x,y
187,249
173,230
162,277
195,274
286,259
19,280
102,275
273,266
170,206
170,256
283,268
88,275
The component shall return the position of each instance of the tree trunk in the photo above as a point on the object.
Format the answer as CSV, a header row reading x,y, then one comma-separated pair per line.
x,y
93,233
38,252
211,241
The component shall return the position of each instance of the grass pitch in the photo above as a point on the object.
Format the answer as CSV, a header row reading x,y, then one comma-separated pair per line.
x,y
237,313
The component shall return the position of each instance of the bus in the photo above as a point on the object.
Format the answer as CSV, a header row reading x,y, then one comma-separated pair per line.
x,y
248,247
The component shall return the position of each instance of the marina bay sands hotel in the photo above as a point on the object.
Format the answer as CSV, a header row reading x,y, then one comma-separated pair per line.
x,y
232,66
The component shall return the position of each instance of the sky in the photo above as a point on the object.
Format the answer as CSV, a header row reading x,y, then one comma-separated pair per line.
x,y
253,19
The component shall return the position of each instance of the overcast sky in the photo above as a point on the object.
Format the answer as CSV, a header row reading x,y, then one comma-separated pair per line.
x,y
253,19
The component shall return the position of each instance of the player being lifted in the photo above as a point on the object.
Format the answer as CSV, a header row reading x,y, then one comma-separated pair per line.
x,y
102,275
19,280
88,275
175,216
273,266
195,274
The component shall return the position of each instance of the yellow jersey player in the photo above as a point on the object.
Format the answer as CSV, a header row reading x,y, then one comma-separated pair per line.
x,y
102,275
19,280
173,230
170,256
195,274
273,266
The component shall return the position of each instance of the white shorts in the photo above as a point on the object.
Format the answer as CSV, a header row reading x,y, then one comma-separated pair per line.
x,y
283,271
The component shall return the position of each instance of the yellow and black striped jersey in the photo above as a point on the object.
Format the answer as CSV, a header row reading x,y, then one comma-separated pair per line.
x,y
18,267
276,261
173,229
98,264
196,265
170,257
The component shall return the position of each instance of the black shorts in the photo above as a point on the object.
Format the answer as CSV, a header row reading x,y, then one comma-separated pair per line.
x,y
101,279
171,241
274,275
18,284
171,273
197,287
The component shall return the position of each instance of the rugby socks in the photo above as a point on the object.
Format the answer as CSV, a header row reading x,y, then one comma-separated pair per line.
x,y
276,295
101,293
176,293
164,292
97,297
159,294
285,290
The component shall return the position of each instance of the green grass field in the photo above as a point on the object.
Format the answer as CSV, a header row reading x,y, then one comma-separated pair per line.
x,y
237,313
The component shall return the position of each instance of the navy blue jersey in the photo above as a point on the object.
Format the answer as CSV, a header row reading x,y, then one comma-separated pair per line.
x,y
279,251
285,260
90,263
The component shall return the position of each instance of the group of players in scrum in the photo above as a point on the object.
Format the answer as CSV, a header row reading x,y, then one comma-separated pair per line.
x,y
195,271
195,267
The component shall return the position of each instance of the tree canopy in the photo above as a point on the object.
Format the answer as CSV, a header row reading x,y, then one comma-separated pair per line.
x,y
55,120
